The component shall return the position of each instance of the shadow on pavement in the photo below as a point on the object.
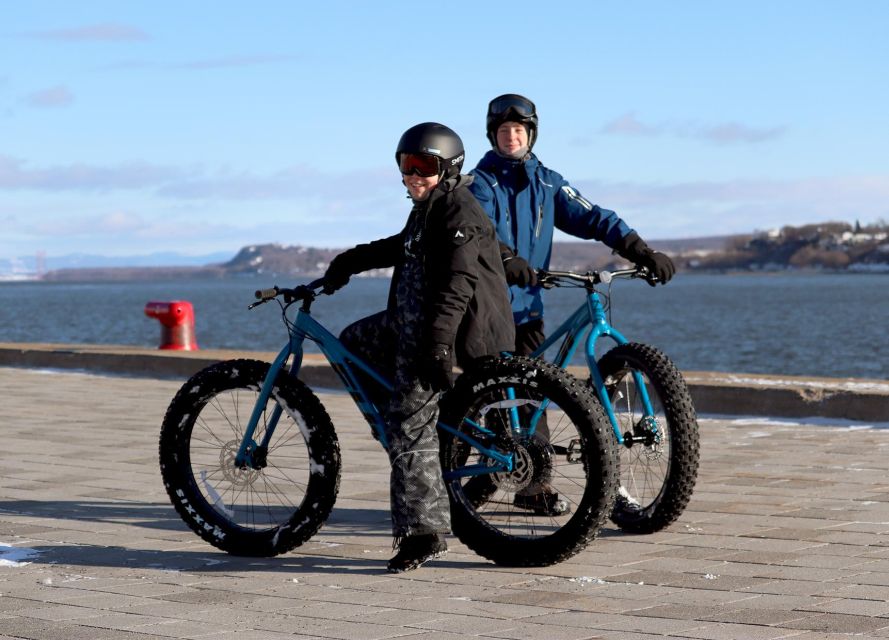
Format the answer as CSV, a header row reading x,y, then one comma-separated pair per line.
x,y
162,516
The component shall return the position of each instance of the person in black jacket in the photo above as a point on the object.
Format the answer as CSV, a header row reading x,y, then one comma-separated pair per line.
x,y
447,304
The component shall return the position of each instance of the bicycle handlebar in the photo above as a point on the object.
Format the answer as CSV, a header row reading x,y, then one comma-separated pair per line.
x,y
550,279
300,293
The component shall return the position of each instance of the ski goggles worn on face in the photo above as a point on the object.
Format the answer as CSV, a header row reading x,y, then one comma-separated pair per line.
x,y
419,164
504,104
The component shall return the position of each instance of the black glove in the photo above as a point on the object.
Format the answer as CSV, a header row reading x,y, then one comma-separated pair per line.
x,y
634,249
519,272
339,271
436,367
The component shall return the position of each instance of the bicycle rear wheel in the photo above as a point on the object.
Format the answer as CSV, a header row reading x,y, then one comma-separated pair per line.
x,y
578,459
262,511
659,458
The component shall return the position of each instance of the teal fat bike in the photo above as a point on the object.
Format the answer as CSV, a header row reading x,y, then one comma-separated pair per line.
x,y
251,461
645,398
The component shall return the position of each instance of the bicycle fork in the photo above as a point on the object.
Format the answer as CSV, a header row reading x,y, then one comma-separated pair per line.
x,y
251,455
601,328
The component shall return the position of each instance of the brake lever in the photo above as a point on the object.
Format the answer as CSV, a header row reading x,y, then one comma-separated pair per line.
x,y
647,275
543,280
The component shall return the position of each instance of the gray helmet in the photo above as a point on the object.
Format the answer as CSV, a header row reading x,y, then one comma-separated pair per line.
x,y
433,139
511,107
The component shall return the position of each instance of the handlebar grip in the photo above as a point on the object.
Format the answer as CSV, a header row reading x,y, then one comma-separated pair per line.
x,y
316,284
266,294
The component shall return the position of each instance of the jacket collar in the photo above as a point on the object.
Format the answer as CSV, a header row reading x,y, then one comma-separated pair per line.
x,y
459,181
494,161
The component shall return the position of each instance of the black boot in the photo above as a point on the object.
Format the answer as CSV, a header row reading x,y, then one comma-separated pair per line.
x,y
415,551
543,500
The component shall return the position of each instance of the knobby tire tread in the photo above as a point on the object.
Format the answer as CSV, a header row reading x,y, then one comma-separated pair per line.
x,y
180,483
575,399
681,418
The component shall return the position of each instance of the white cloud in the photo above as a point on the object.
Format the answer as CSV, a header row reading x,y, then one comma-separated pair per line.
x,y
15,174
723,133
740,206
235,61
94,33
628,124
299,181
245,60
52,97
196,183
107,224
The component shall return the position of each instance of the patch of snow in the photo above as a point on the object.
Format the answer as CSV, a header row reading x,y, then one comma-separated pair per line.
x,y
587,580
765,421
15,556
858,386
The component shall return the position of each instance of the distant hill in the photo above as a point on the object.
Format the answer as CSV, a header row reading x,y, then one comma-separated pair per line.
x,y
278,259
827,246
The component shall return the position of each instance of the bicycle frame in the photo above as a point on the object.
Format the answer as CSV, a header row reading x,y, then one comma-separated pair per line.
x,y
345,364
592,315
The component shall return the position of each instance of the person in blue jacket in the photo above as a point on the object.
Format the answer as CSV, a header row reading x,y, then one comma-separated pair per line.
x,y
527,201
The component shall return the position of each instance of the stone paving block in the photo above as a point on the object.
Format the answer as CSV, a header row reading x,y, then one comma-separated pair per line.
x,y
525,630
706,597
764,617
395,617
121,621
871,608
60,612
468,625
695,581
346,630
287,624
602,622
730,631
680,611
538,598
791,588
880,579
839,623
433,635
33,629
857,592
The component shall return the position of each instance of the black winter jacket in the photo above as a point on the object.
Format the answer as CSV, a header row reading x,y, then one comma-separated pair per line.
x,y
467,298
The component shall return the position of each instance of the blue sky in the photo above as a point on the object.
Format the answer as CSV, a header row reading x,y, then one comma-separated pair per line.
x,y
138,127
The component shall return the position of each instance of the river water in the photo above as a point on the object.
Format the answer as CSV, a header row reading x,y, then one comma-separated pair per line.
x,y
832,325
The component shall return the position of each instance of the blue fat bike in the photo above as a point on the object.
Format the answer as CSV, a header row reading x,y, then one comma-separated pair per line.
x,y
251,461
646,400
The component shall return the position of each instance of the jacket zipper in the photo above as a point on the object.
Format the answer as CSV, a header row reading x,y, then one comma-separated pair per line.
x,y
539,221
509,228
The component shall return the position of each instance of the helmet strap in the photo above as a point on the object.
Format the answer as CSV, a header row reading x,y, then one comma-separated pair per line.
x,y
524,155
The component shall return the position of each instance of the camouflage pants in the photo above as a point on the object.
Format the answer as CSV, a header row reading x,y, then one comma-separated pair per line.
x,y
418,497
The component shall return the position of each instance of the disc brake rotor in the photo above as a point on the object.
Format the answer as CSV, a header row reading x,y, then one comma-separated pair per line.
x,y
521,474
237,476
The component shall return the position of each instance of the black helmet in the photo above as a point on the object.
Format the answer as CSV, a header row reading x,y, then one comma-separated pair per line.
x,y
431,138
511,107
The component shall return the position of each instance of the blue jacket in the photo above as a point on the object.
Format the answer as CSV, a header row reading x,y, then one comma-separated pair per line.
x,y
525,200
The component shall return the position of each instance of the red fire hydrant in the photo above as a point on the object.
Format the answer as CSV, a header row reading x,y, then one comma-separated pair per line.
x,y
177,324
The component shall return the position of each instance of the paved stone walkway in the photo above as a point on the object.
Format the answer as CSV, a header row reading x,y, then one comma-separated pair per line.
x,y
786,537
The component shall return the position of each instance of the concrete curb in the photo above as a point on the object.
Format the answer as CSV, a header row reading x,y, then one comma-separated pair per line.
x,y
712,392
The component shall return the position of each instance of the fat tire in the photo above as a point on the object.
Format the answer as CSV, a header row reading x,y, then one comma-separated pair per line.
x,y
215,388
666,385
568,535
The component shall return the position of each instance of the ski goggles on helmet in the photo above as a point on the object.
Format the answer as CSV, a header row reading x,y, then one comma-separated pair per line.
x,y
420,164
502,106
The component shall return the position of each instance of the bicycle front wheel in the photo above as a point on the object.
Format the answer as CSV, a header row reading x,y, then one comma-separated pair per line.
x,y
273,505
659,457
497,403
